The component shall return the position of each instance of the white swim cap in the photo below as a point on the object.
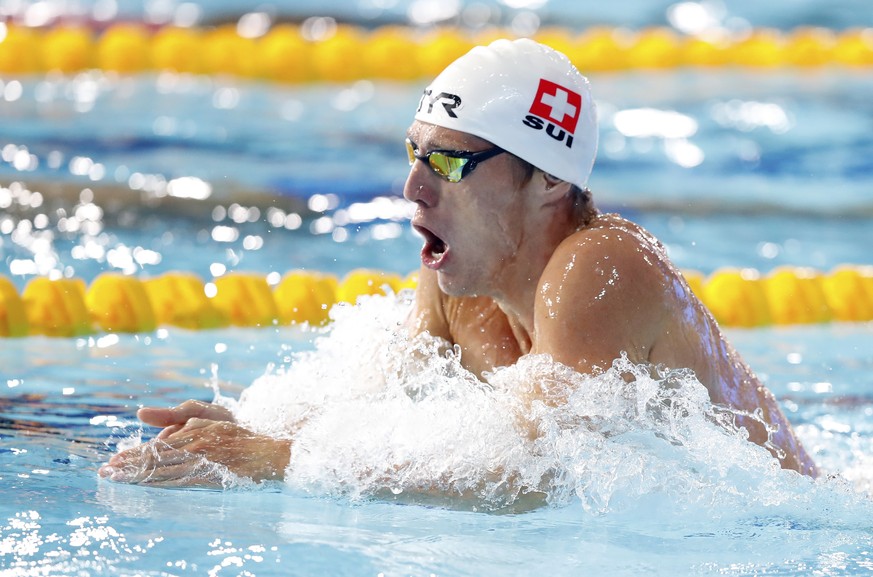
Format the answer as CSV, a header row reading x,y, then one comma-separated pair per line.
x,y
524,97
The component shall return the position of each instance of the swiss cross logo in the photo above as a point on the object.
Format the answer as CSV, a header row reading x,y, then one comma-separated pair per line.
x,y
557,104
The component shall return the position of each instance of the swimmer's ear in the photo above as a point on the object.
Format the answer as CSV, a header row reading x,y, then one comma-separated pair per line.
x,y
553,187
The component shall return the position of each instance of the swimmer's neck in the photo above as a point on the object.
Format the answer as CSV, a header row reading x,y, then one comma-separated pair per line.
x,y
516,296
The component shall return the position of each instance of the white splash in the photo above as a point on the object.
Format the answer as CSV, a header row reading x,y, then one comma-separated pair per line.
x,y
376,413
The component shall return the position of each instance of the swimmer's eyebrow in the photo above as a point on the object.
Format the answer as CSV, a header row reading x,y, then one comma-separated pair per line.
x,y
415,145
410,136
426,144
436,148
412,141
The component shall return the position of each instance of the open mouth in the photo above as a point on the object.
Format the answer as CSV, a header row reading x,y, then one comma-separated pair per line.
x,y
434,250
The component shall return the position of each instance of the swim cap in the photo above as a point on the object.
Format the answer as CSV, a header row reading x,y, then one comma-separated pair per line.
x,y
524,97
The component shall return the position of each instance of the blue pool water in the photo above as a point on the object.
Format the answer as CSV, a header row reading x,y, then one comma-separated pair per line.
x,y
71,400
728,168
786,149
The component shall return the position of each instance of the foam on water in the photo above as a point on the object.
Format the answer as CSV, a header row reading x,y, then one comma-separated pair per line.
x,y
375,413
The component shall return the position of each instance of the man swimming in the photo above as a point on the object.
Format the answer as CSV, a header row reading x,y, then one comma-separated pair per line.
x,y
516,260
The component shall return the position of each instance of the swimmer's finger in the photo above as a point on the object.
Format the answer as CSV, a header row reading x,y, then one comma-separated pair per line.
x,y
180,436
179,469
157,416
182,477
152,466
146,455
199,423
130,455
167,431
179,415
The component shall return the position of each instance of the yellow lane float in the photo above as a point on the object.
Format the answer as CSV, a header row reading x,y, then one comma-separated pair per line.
x,y
246,300
176,49
118,303
124,48
68,49
13,316
305,297
20,50
226,52
736,298
344,53
285,56
366,282
795,296
179,299
56,307
849,293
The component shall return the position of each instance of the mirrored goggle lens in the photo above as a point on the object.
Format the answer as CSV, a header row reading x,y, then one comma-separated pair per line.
x,y
448,167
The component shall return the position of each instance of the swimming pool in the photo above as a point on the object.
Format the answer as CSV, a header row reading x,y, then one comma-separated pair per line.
x,y
735,168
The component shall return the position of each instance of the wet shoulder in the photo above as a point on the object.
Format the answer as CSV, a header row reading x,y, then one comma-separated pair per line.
x,y
614,229
613,275
611,242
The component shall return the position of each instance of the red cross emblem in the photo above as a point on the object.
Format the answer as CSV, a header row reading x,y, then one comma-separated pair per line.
x,y
558,105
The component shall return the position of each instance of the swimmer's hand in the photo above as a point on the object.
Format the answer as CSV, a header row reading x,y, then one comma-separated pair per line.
x,y
201,453
174,418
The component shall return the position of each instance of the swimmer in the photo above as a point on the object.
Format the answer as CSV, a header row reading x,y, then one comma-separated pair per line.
x,y
517,260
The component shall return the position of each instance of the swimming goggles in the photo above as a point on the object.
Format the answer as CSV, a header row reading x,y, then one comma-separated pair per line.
x,y
452,165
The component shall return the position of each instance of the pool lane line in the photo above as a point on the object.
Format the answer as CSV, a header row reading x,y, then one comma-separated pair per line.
x,y
338,52
117,303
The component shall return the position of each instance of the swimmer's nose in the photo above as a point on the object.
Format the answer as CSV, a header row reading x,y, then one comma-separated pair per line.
x,y
417,188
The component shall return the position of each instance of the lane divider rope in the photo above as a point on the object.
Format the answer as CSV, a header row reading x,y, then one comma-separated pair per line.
x,y
118,303
285,53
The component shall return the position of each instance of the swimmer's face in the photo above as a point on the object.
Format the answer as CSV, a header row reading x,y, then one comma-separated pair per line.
x,y
472,228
